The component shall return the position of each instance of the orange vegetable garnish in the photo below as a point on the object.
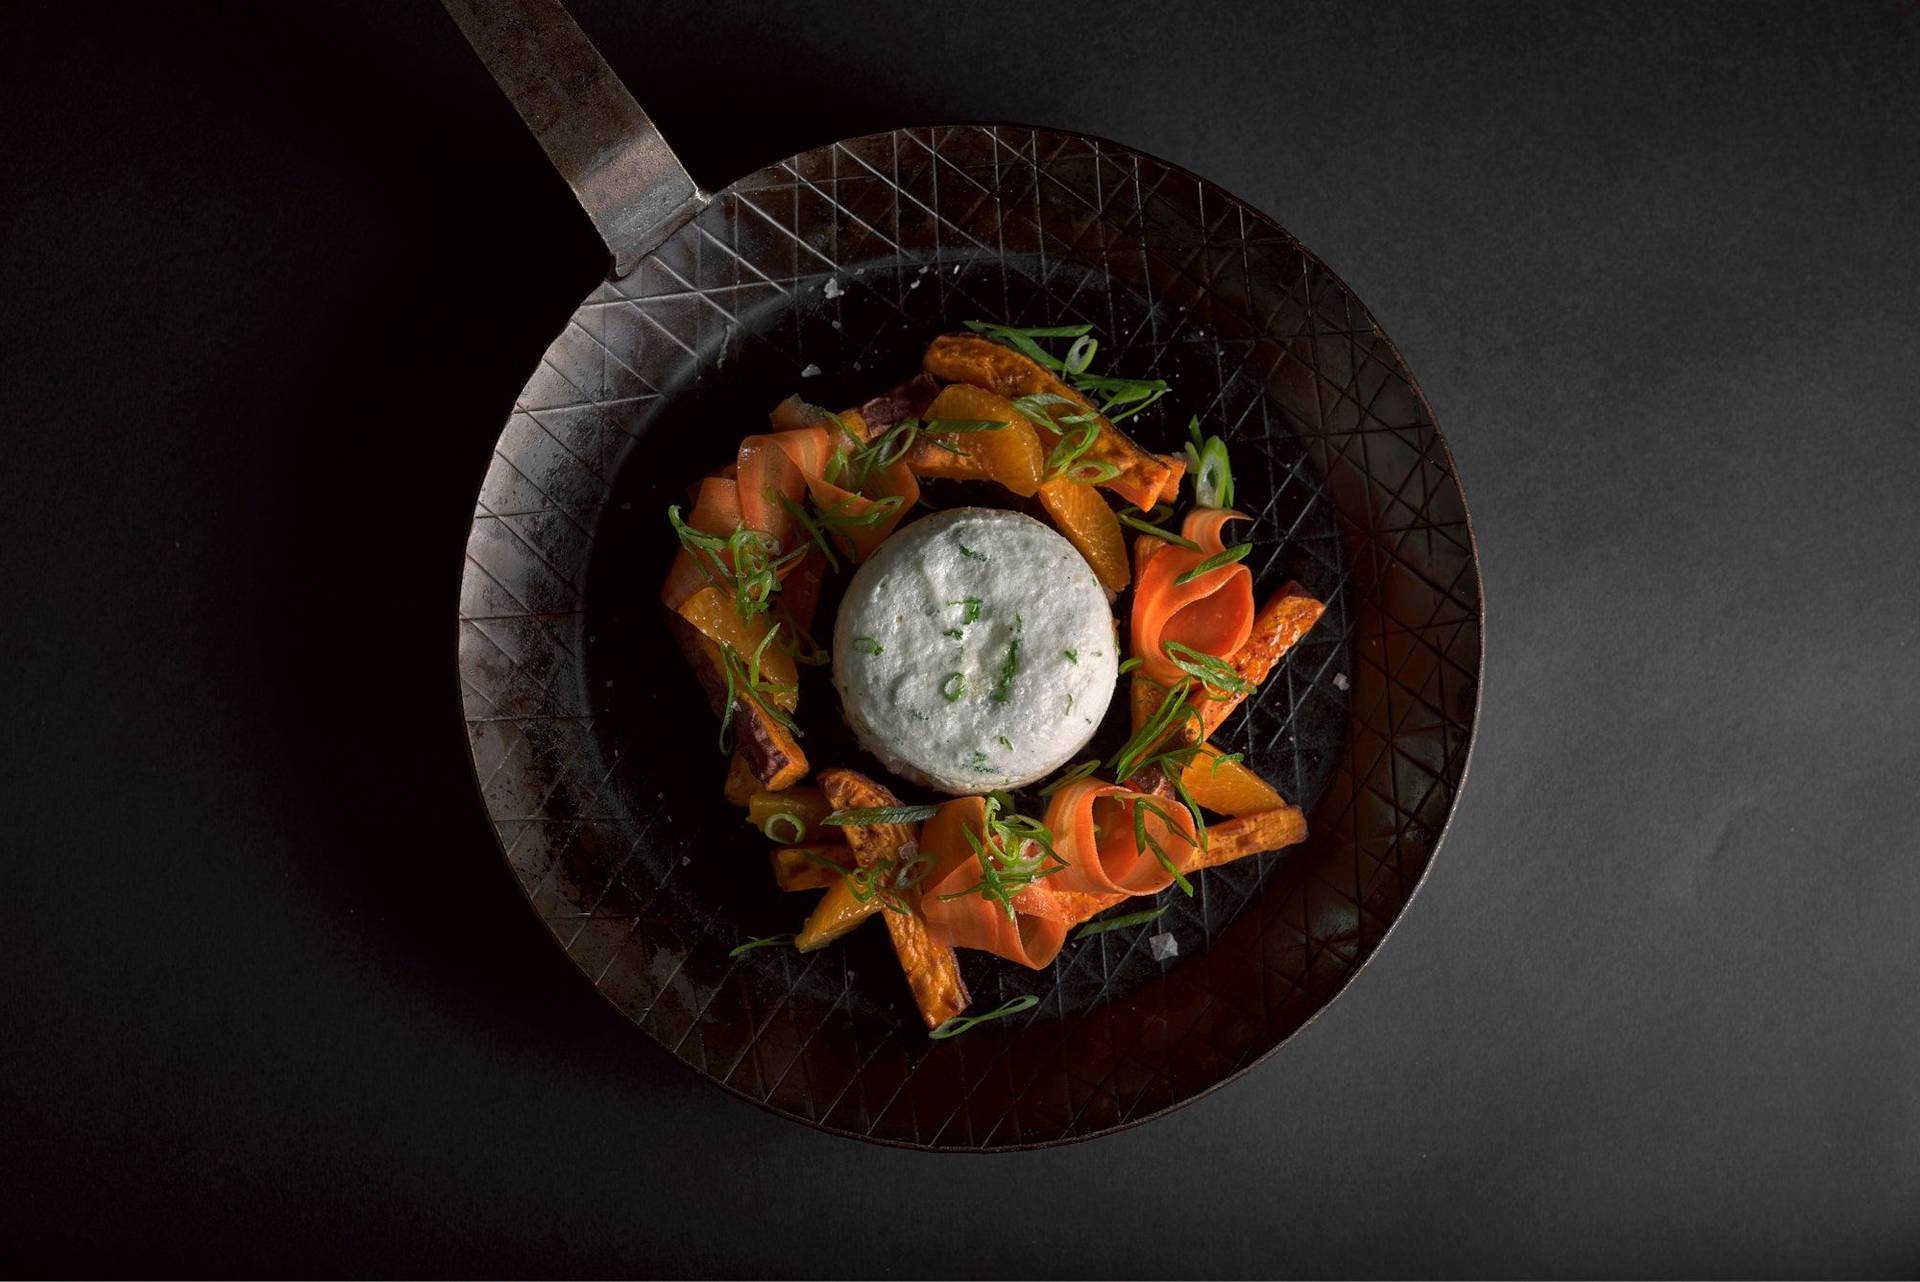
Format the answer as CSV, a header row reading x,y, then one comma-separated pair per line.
x,y
716,511
1211,613
765,473
1090,525
807,806
1093,830
811,450
711,611
1286,617
966,358
799,867
741,782
1069,906
1012,455
1228,787
933,974
967,920
1252,835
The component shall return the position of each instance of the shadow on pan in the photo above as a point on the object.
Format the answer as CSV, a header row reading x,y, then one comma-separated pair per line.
x,y
827,274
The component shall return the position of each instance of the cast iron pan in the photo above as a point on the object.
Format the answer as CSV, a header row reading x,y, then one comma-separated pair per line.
x,y
827,274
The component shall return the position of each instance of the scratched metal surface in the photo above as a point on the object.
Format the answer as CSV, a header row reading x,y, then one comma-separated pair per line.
x,y
826,274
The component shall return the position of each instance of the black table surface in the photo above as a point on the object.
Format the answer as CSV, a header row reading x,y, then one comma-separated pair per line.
x,y
269,278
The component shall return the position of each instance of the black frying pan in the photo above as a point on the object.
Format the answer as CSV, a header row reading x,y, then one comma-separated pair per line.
x,y
827,274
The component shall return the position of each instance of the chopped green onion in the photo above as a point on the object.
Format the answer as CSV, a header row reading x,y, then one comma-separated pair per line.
x,y
1092,471
1080,355
814,529
878,879
1003,684
969,553
1070,775
1238,552
1208,465
1177,779
691,538
955,633
961,1023
1174,709
1127,395
875,880
1068,449
1212,671
743,680
1128,665
753,664
1120,923
954,687
972,605
762,941
1142,839
879,510
795,824
1073,656
867,645
1036,407
1021,340
803,648
867,816
739,563
1005,866
1146,527
1003,742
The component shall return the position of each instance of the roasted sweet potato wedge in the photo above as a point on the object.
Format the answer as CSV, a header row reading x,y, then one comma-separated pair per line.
x,y
1176,472
768,749
1252,835
932,970
967,358
1286,617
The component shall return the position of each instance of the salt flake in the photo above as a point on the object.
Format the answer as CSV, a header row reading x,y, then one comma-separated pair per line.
x,y
810,371
1163,946
833,288
1340,680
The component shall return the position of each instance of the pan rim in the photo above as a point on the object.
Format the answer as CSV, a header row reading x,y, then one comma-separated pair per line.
x,y
1346,981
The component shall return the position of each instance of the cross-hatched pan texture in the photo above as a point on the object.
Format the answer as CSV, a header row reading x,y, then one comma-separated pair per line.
x,y
826,275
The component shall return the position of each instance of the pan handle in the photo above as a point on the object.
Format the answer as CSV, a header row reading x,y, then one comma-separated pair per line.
x,y
621,170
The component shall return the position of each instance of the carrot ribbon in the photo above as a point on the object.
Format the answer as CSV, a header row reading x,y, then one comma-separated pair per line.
x,y
1211,613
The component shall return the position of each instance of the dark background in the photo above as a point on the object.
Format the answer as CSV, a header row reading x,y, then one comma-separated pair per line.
x,y
269,278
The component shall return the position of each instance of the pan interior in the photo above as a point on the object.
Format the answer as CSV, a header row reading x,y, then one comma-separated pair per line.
x,y
826,275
